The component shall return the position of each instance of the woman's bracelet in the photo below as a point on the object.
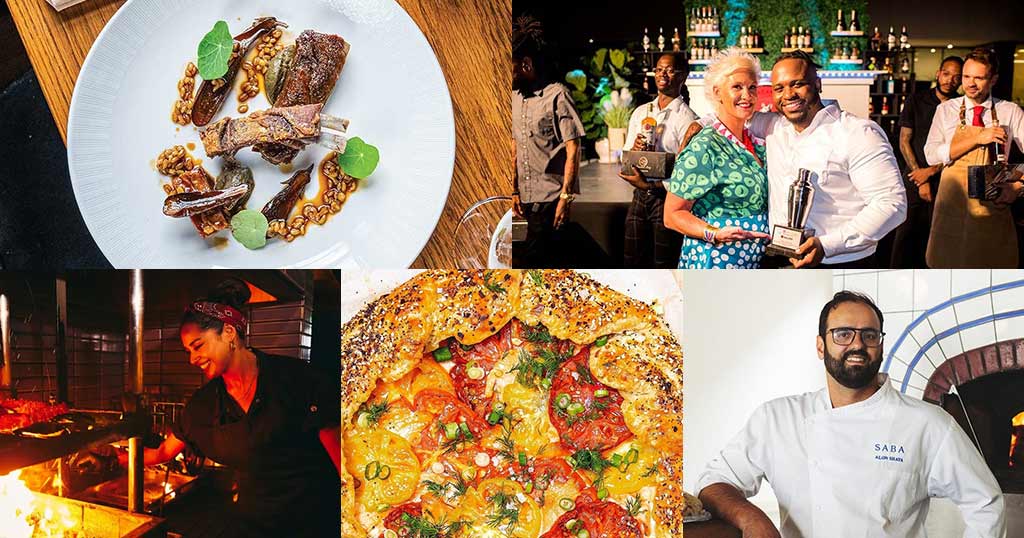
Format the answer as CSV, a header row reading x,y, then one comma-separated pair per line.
x,y
709,233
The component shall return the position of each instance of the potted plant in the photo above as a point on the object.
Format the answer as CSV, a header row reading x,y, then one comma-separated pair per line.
x,y
604,72
617,110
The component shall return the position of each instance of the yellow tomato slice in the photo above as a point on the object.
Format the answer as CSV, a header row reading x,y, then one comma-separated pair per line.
x,y
632,480
528,406
390,458
530,517
404,422
430,375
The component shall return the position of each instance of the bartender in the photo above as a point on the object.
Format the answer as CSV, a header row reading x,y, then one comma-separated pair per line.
x,y
969,233
272,419
649,244
857,458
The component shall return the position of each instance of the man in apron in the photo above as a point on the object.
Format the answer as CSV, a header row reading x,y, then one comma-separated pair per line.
x,y
970,233
855,459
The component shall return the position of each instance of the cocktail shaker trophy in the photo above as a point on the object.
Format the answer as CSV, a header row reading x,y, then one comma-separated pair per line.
x,y
786,239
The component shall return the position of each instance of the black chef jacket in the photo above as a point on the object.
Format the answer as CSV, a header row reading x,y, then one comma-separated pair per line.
x,y
287,483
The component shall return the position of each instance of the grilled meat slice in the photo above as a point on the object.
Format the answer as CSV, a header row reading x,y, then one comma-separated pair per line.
x,y
312,74
293,127
198,180
189,204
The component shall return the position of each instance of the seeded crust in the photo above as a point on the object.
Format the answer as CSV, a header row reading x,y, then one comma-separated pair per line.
x,y
641,359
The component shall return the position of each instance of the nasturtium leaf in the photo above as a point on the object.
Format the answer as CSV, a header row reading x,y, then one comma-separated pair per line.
x,y
360,159
215,51
249,227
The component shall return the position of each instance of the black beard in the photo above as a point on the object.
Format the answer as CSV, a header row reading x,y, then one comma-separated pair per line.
x,y
950,94
852,377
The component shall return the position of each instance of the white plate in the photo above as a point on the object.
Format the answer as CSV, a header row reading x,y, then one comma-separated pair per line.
x,y
392,89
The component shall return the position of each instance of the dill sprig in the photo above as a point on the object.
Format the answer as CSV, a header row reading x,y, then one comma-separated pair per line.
x,y
506,512
537,277
531,370
538,334
493,286
423,527
651,471
634,506
374,412
450,490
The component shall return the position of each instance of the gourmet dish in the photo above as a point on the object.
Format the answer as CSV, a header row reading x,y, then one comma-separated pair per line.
x,y
510,403
297,80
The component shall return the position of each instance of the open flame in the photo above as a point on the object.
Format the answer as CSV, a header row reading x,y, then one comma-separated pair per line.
x,y
1016,438
168,491
22,515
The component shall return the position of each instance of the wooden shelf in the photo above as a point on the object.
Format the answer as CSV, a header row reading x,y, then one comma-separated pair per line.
x,y
758,50
699,62
846,62
703,34
858,33
794,49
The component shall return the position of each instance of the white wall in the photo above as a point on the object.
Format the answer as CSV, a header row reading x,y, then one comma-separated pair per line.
x,y
750,337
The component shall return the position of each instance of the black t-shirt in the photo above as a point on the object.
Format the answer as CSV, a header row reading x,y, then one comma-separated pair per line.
x,y
286,480
917,114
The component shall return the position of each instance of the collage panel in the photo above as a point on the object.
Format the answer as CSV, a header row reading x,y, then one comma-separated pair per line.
x,y
512,403
308,134
859,408
169,404
838,134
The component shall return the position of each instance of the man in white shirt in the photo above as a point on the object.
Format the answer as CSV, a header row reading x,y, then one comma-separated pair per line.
x,y
857,458
859,195
649,244
969,233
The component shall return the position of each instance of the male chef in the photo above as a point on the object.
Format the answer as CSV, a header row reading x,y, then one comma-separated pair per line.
x,y
855,459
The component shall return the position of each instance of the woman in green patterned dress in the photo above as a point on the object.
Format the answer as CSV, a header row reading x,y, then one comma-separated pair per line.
x,y
718,193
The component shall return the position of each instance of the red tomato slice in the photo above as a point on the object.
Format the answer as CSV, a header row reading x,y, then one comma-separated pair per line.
x,y
446,409
602,519
394,520
484,356
600,423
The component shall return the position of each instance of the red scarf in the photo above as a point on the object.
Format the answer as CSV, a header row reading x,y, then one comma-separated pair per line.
x,y
223,312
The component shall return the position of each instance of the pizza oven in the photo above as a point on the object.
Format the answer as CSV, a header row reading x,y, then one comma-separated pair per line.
x,y
984,390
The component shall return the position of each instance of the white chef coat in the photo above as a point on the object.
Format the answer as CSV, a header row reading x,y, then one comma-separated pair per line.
x,y
865,470
859,195
947,119
673,120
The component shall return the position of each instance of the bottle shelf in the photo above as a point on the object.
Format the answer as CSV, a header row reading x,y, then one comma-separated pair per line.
x,y
794,49
703,34
758,50
699,62
846,62
858,33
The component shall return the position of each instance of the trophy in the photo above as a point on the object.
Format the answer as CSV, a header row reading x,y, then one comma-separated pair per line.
x,y
786,239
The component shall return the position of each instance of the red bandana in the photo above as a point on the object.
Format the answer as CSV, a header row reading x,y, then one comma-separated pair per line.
x,y
223,312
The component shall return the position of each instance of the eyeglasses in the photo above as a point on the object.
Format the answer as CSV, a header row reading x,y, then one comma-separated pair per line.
x,y
667,71
843,336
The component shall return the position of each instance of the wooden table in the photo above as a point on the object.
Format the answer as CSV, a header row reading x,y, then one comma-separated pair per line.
x,y
470,37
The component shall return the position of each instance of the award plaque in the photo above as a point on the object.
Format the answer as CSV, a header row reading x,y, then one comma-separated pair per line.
x,y
787,239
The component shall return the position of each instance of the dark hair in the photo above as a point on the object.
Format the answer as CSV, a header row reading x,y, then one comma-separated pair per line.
x,y
955,59
845,297
679,61
985,57
798,55
231,292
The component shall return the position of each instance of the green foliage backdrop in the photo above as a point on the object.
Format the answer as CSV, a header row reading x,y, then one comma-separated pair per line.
x,y
773,17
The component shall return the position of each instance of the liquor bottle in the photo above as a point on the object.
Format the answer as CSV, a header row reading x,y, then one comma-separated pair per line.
x,y
649,126
854,25
903,103
714,48
872,64
661,39
890,83
890,41
714,20
845,52
807,38
692,26
888,68
647,41
704,24
758,40
839,21
871,104
876,41
905,65
800,37
885,106
904,39
787,40
675,40
693,48
855,52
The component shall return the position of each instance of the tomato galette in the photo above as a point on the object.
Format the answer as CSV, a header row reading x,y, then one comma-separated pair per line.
x,y
510,404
